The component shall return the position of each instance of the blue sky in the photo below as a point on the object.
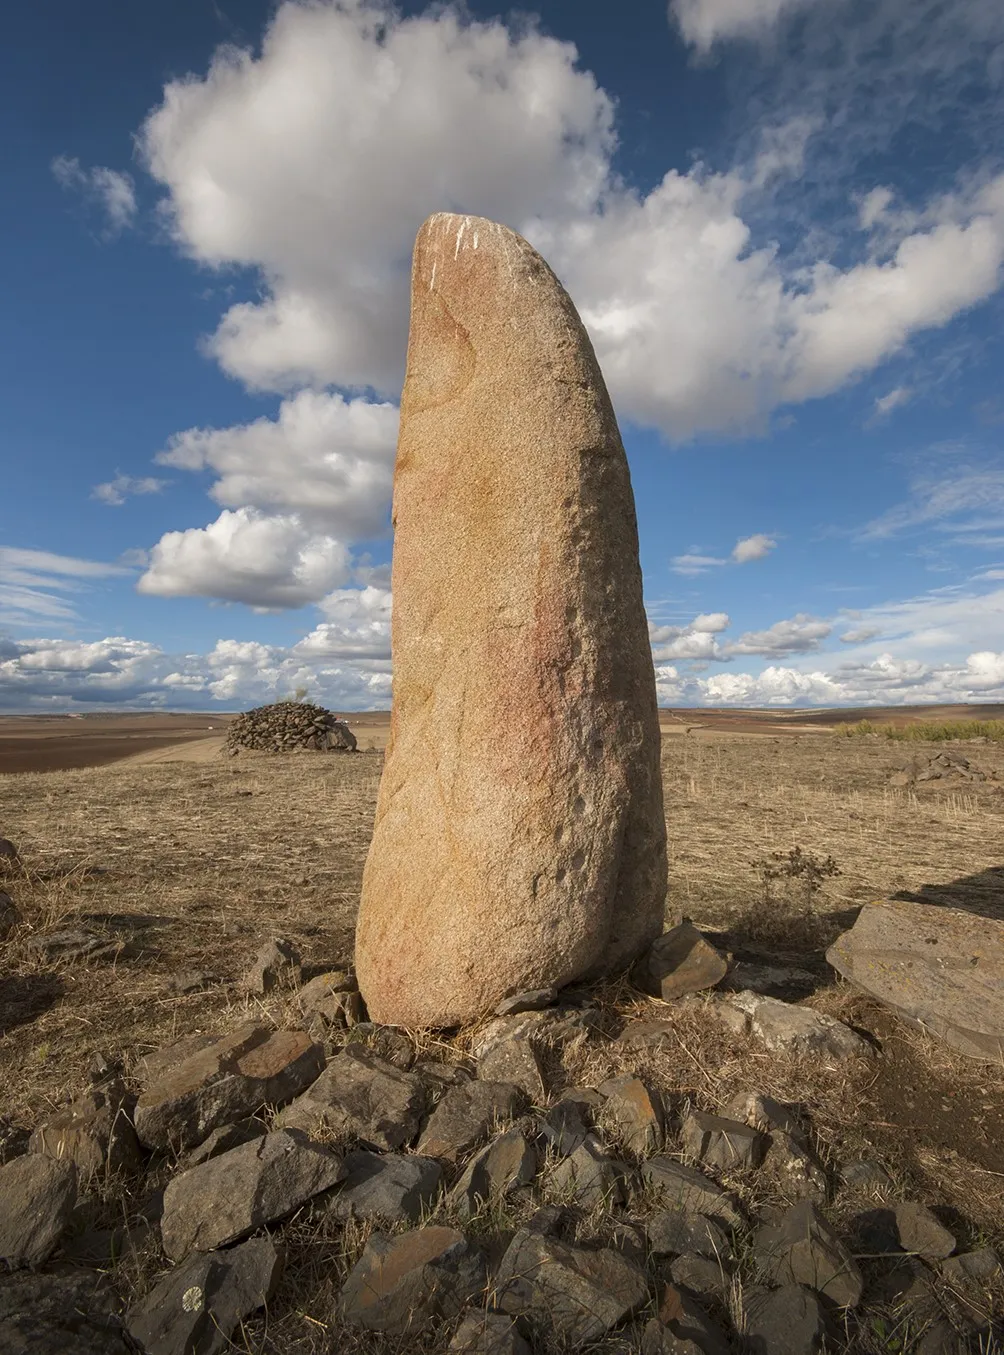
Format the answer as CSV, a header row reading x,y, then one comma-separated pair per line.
x,y
782,222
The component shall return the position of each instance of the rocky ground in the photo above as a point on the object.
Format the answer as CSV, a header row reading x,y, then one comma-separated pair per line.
x,y
207,1147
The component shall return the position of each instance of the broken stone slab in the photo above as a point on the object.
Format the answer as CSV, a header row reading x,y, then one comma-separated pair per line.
x,y
785,1321
672,1232
980,1267
393,1046
361,1095
560,873
684,1320
495,1172
920,1232
638,1035
763,1113
487,1333
222,1140
580,1294
680,961
555,1027
37,1196
565,1126
65,1314
771,980
151,1067
941,969
94,1132
195,1307
635,1112
465,1115
591,1177
322,986
798,1171
78,944
514,1060
277,965
230,1196
386,1188
674,1183
228,1080
864,1174
701,1275
403,1284
534,1000
804,1249
788,1029
727,1145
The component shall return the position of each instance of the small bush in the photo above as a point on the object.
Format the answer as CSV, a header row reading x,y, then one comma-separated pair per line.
x,y
928,731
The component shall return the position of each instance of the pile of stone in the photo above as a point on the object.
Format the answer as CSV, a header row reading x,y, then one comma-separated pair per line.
x,y
946,765
290,726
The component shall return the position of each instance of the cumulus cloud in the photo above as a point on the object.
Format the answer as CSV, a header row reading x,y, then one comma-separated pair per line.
x,y
696,640
110,189
34,584
799,634
357,626
756,547
705,22
353,123
115,492
265,561
327,459
859,635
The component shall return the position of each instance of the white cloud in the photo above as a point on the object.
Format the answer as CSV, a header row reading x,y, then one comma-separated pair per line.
x,y
859,635
357,626
115,492
799,634
33,584
112,190
245,556
694,563
968,502
696,640
897,397
315,162
705,22
326,459
756,547
711,623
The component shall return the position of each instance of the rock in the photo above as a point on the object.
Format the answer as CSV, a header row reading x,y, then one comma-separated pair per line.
x,y
771,980
401,1285
277,965
322,987
689,1189
799,1172
393,1046
726,1145
94,1132
228,1080
804,1249
680,961
865,1175
534,679
920,1232
635,1112
534,1000
102,1069
553,1028
13,1140
9,916
189,981
391,1188
64,1314
486,1333
8,853
251,1186
222,1140
787,1029
638,1035
578,1294
564,1126
973,1267
514,1060
764,1113
37,1195
361,1095
196,1306
465,1115
785,1321
684,1320
941,969
672,1232
151,1067
289,727
941,1338
495,1172
703,1276
77,944
590,1176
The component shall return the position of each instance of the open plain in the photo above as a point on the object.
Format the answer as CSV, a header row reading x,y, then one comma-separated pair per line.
x,y
189,860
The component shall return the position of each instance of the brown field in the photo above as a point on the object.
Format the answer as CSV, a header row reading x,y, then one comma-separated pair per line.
x,y
195,862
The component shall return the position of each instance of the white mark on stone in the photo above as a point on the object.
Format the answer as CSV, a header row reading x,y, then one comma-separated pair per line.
x,y
192,1300
460,236
432,280
475,239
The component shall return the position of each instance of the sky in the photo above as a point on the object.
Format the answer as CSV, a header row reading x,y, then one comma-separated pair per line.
x,y
782,222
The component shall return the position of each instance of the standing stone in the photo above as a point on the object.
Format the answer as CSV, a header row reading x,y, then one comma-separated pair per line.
x,y
519,839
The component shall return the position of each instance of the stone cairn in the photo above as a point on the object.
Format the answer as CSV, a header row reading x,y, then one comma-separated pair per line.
x,y
288,727
519,839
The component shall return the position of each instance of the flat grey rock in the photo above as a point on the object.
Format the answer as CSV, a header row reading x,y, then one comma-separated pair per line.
x,y
785,1321
402,1285
591,1176
726,1145
465,1115
535,1000
485,1333
37,1196
230,1196
386,1188
196,1306
495,1172
785,1028
514,1060
941,969
364,1096
701,1275
920,1232
677,1184
673,1232
802,1248
94,1132
634,1111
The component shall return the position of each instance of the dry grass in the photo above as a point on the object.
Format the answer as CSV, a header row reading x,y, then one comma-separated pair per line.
x,y
214,859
